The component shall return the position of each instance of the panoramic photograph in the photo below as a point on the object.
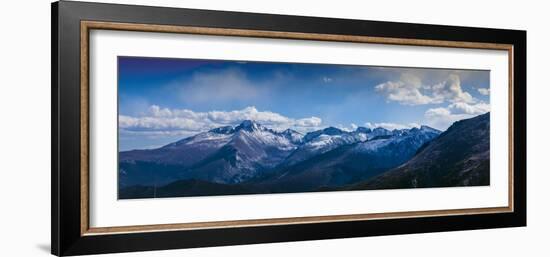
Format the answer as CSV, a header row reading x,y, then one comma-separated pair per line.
x,y
196,127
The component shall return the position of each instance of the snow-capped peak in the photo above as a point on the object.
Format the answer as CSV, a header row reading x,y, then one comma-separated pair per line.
x,y
363,130
330,131
380,130
290,132
429,129
223,130
249,125
293,135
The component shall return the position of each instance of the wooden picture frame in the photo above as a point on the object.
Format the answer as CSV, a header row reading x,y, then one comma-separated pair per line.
x,y
71,26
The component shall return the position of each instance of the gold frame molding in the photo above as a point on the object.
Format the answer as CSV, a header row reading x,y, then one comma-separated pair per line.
x,y
86,26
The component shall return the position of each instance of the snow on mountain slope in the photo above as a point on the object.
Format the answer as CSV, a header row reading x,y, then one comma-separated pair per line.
x,y
349,162
458,157
185,152
264,136
412,138
322,141
293,135
235,154
249,153
257,147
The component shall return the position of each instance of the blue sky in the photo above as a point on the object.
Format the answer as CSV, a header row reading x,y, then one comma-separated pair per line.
x,y
162,100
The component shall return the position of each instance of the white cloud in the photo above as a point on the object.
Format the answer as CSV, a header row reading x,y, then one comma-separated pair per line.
x,y
350,128
434,112
404,93
443,117
163,121
478,108
326,79
308,122
152,123
409,90
248,113
484,91
154,134
391,126
450,90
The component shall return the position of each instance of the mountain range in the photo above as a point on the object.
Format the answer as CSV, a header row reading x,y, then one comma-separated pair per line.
x,y
251,158
458,157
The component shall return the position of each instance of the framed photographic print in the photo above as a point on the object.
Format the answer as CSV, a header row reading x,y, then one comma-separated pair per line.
x,y
177,128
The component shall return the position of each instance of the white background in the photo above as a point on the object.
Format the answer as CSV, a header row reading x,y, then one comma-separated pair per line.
x,y
25,128
106,211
